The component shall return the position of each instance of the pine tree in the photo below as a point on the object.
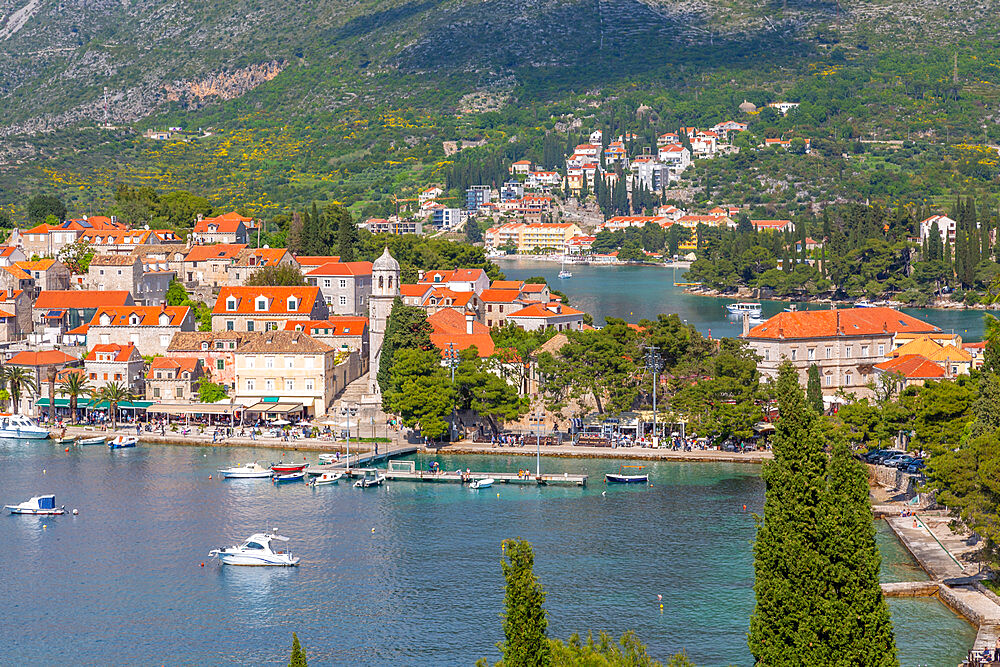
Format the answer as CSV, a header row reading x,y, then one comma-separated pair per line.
x,y
787,626
347,232
857,612
298,658
407,328
524,619
293,240
814,389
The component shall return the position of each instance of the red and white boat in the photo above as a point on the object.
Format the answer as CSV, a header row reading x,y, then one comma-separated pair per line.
x,y
283,468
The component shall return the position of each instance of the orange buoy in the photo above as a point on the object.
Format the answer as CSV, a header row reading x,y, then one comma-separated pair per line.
x,y
67,449
210,477
203,565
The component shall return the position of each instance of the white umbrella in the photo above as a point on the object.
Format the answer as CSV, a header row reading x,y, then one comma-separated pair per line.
x,y
304,422
281,422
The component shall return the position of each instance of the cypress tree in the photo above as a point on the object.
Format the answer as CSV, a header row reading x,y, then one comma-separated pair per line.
x,y
298,658
524,619
814,389
858,614
787,626
407,328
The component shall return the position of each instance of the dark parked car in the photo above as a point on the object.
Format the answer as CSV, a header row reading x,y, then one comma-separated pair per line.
x,y
900,461
873,455
916,466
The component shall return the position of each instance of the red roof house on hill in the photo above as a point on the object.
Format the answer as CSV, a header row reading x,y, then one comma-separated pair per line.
x,y
453,330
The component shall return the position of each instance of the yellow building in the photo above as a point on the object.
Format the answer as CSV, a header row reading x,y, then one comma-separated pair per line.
x,y
289,367
550,237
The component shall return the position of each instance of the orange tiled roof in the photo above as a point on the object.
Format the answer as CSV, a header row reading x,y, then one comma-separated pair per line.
x,y
116,236
316,260
122,352
277,297
912,367
450,326
180,364
342,269
507,284
17,272
414,290
145,316
42,358
50,299
500,295
340,325
37,265
224,251
853,322
542,310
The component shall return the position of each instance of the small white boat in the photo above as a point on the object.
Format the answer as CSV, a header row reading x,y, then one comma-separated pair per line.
x,y
65,441
255,551
565,274
863,303
123,441
744,307
482,483
327,478
328,458
37,505
99,440
19,426
252,470
371,478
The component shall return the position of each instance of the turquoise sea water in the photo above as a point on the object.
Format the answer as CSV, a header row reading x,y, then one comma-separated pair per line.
x,y
404,574
636,292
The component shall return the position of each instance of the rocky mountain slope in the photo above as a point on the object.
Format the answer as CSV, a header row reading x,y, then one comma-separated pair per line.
x,y
59,55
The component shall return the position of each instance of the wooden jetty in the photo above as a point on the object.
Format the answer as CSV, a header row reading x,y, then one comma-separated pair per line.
x,y
443,477
361,461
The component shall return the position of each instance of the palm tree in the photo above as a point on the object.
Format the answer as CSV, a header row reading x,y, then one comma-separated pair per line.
x,y
114,393
74,386
18,380
3,385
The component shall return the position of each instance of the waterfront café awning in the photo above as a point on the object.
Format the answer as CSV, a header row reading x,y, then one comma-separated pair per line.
x,y
86,404
194,408
274,407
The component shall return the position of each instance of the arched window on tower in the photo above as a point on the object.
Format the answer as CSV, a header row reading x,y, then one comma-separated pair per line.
x,y
390,282
380,278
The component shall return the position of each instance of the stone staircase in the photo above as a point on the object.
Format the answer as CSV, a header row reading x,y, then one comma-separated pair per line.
x,y
356,395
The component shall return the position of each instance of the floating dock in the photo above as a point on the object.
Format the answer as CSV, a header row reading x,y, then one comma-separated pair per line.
x,y
360,461
565,479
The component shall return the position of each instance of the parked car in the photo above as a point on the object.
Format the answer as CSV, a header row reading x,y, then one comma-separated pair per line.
x,y
890,454
900,461
873,455
916,466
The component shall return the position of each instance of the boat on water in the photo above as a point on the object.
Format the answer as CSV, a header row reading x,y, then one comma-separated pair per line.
x,y
289,476
864,303
624,476
371,478
65,441
99,440
563,272
328,458
326,478
123,441
44,505
255,551
19,426
283,468
251,470
744,307
482,483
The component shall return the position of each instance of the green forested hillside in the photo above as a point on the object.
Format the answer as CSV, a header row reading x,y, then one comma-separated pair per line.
x,y
352,101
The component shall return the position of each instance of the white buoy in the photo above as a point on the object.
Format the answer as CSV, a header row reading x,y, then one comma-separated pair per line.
x,y
43,471
75,512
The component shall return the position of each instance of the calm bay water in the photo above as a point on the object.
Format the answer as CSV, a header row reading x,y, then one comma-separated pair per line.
x,y
405,574
637,292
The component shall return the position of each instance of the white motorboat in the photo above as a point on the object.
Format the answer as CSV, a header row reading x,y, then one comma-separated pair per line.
x,y
744,307
251,470
280,478
327,478
371,478
19,426
37,505
255,551
328,458
863,303
99,440
624,477
123,441
482,483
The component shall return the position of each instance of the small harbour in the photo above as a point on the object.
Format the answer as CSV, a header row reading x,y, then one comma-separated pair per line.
x,y
634,292
405,573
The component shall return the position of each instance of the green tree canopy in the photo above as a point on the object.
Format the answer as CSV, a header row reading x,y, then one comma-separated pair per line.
x,y
407,328
280,275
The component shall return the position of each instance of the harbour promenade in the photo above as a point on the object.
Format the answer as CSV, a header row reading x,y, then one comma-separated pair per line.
x,y
404,439
955,579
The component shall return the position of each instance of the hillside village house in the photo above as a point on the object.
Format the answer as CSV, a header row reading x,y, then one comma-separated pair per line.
x,y
163,256
289,368
498,304
210,264
127,273
11,255
8,321
251,260
266,308
47,240
845,345
946,228
14,278
458,280
227,228
56,312
342,332
216,350
149,328
43,366
47,274
173,378
393,225
345,286
118,241
453,330
529,237
105,364
555,314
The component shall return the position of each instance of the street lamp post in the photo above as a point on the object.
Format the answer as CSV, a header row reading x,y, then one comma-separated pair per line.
x,y
538,443
451,358
654,363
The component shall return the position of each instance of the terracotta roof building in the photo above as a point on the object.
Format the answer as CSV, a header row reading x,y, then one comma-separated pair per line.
x,y
62,310
173,379
345,286
266,308
149,328
555,315
123,364
845,344
456,331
